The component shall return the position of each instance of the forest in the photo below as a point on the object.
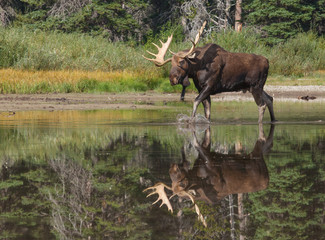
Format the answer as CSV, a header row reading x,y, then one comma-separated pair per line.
x,y
111,37
140,20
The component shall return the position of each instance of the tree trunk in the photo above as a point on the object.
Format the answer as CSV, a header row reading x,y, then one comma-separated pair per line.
x,y
238,20
227,10
242,219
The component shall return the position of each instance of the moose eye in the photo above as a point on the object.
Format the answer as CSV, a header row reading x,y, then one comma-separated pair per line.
x,y
181,64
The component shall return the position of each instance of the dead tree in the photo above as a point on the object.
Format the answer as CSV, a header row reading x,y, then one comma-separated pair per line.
x,y
64,8
238,13
69,217
195,12
7,12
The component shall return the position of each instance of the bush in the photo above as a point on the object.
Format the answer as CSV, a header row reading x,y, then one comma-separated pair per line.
x,y
299,55
246,41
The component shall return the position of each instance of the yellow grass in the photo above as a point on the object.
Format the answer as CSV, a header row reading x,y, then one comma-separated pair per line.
x,y
16,76
28,81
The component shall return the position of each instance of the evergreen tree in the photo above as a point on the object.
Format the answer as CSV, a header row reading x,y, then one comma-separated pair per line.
x,y
281,19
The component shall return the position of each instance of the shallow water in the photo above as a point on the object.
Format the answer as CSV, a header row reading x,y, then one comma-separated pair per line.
x,y
81,174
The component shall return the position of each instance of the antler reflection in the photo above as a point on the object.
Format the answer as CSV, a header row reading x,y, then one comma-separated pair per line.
x,y
159,189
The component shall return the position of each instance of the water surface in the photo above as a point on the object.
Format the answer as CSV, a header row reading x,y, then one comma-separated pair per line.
x,y
81,174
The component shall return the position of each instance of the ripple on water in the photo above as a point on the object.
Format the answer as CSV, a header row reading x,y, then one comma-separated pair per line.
x,y
185,119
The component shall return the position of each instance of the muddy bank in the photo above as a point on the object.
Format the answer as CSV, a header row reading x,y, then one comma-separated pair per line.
x,y
148,100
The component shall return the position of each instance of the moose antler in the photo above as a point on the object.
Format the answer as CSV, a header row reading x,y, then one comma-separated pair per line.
x,y
159,188
197,209
197,38
159,60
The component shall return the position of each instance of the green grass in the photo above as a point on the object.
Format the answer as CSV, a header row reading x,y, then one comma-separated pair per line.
x,y
313,78
295,62
37,50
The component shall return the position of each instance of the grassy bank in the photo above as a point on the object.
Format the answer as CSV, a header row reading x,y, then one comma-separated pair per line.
x,y
66,81
39,62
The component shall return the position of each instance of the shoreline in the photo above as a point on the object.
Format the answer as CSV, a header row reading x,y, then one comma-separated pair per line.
x,y
145,100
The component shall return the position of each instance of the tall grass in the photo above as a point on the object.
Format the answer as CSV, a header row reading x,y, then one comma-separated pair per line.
x,y
37,50
65,81
120,66
298,56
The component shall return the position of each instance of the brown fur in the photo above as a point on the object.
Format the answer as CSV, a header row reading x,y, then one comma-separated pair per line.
x,y
215,175
215,70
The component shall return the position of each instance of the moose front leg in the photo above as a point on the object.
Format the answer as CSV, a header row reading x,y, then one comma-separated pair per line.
x,y
207,107
203,97
183,93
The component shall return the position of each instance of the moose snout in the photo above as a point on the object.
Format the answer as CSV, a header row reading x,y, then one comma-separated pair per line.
x,y
173,80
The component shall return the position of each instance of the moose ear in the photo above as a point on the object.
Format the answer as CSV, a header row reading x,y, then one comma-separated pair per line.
x,y
193,55
186,82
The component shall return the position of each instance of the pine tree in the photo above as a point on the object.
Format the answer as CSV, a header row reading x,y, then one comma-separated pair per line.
x,y
282,19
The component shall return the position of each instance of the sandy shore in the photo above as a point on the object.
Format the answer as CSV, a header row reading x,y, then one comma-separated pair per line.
x,y
148,100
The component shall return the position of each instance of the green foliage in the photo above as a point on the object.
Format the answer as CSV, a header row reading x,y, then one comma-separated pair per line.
x,y
246,41
10,183
287,208
164,32
284,19
109,19
298,56
143,21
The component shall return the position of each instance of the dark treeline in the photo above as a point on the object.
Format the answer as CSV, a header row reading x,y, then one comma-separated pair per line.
x,y
142,20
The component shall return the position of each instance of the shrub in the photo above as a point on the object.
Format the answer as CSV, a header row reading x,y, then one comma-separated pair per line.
x,y
299,55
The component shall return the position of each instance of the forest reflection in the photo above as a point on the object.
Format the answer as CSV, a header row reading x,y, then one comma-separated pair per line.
x,y
228,182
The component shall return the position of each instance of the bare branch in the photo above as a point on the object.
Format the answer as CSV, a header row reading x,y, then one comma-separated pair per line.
x,y
7,13
69,218
64,8
197,11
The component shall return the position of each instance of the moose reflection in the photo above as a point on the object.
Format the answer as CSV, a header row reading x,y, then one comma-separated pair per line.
x,y
216,175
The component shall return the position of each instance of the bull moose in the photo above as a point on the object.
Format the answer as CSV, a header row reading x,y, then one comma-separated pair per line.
x,y
215,70
216,175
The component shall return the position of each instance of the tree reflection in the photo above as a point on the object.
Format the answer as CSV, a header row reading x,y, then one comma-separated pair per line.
x,y
70,199
219,179
88,184
98,200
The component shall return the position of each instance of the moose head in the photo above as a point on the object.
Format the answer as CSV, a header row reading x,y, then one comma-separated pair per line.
x,y
180,66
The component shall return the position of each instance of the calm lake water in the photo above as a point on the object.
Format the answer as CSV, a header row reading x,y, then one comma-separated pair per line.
x,y
81,174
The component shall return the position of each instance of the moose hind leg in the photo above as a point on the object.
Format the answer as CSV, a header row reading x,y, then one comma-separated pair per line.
x,y
269,102
259,99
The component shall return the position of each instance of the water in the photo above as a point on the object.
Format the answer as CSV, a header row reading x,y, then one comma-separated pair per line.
x,y
81,174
